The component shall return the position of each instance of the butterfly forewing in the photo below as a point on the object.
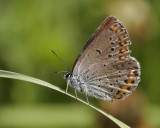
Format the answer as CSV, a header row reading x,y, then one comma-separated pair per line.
x,y
104,67
87,56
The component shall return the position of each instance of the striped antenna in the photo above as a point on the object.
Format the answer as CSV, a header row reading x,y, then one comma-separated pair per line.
x,y
60,59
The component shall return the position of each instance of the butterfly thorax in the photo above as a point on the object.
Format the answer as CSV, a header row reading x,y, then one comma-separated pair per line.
x,y
74,81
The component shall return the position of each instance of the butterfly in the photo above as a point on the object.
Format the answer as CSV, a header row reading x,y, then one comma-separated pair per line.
x,y
104,68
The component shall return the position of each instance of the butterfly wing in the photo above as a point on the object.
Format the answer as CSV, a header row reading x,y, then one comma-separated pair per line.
x,y
105,64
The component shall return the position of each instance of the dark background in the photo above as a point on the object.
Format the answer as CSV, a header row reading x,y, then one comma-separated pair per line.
x,y
29,29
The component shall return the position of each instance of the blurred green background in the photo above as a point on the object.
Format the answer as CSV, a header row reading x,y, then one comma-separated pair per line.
x,y
29,29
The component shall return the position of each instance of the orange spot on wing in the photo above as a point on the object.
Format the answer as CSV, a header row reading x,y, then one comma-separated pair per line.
x,y
130,81
124,49
122,57
119,95
114,27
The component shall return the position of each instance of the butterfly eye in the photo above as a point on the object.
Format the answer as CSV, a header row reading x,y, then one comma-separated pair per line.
x,y
67,75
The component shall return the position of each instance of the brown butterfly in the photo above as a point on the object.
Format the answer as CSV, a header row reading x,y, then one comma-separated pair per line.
x,y
104,68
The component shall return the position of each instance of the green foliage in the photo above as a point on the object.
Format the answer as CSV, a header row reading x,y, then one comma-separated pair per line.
x,y
29,29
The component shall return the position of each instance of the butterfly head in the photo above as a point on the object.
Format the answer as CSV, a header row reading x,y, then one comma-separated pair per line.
x,y
66,75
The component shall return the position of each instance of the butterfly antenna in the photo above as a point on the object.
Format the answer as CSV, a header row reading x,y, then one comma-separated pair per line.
x,y
60,59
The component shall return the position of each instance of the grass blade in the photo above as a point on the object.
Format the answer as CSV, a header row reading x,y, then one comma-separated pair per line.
x,y
18,76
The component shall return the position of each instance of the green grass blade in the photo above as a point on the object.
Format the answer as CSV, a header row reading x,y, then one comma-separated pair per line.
x,y
18,76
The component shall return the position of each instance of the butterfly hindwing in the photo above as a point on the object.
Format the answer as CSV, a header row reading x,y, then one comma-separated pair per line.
x,y
104,67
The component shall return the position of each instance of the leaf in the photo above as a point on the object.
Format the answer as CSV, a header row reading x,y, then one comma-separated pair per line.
x,y
18,76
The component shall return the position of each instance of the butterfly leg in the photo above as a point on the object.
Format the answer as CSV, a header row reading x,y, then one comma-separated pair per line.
x,y
76,93
67,86
86,96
